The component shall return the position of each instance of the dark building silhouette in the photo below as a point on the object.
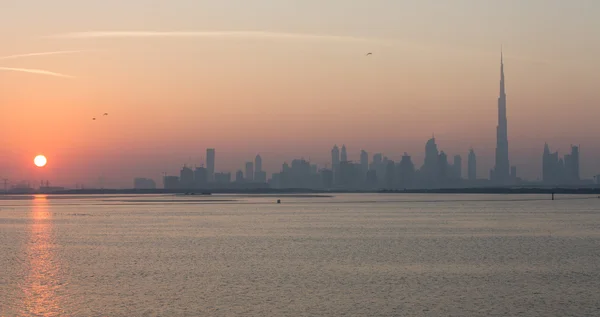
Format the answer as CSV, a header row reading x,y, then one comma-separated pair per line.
x,y
364,162
430,171
171,182
201,177
390,175
258,170
210,164
501,174
406,172
186,178
344,155
443,169
327,178
249,172
239,176
222,178
557,171
335,162
143,183
472,165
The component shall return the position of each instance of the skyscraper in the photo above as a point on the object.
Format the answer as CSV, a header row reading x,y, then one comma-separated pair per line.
x,y
335,157
344,157
364,162
210,164
472,162
258,172
501,172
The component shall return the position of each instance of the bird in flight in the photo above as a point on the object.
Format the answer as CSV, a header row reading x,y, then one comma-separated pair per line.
x,y
94,119
105,114
369,54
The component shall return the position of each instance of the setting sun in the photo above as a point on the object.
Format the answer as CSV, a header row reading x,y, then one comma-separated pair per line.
x,y
40,161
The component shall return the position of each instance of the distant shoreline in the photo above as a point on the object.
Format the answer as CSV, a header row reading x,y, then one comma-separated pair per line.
x,y
316,193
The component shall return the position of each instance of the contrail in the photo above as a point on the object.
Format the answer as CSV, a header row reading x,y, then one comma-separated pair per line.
x,y
39,54
35,71
187,34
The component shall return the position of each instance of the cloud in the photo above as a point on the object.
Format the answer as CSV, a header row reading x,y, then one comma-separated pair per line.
x,y
38,54
35,71
213,34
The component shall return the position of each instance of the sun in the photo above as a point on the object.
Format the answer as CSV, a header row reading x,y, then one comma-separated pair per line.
x,y
40,161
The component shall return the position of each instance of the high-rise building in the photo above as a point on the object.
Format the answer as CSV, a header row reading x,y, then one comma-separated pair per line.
x,y
406,173
501,170
249,171
210,164
344,155
335,157
472,165
239,176
186,178
557,171
364,161
200,177
258,163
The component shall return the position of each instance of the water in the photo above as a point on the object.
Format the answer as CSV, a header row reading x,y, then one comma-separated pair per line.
x,y
349,255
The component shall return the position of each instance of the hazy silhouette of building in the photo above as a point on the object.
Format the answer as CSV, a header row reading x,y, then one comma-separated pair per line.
x,y
513,173
429,173
327,178
501,174
144,183
200,177
572,166
557,171
390,175
344,155
258,169
314,169
443,169
249,172
335,162
472,165
406,172
222,178
210,164
379,167
186,178
350,175
171,182
364,162
239,176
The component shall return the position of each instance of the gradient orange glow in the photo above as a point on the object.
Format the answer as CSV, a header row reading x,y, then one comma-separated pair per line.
x,y
169,98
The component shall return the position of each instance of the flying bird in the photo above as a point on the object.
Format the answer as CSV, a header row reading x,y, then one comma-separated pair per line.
x,y
369,54
94,119
105,114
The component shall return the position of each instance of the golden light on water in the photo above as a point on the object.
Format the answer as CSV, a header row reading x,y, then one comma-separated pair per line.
x,y
42,282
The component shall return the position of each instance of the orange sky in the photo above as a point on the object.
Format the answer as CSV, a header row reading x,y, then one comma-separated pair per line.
x,y
435,70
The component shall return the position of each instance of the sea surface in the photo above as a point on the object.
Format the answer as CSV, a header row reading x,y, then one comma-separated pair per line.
x,y
347,255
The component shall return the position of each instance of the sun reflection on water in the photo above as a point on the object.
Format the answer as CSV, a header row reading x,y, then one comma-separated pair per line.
x,y
42,282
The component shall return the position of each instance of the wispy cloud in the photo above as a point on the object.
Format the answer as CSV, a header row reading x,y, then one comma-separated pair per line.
x,y
38,54
213,34
35,71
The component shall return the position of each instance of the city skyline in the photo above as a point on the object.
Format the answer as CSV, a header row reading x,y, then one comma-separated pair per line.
x,y
290,83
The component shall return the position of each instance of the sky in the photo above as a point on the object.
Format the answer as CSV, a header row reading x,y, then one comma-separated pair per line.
x,y
289,79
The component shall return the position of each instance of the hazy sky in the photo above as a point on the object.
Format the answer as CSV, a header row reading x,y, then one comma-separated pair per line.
x,y
434,69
